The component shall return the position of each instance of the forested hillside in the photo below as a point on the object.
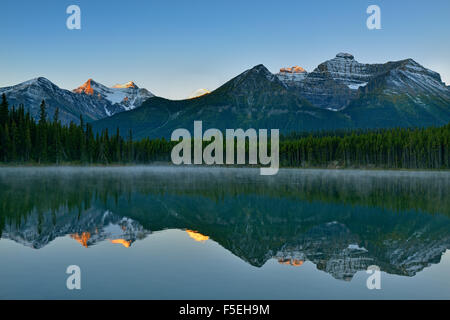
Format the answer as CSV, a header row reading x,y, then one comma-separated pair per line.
x,y
26,141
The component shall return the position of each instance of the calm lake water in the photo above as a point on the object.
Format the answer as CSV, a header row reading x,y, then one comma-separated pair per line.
x,y
210,233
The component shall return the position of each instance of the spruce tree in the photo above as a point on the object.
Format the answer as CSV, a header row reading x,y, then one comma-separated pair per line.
x,y
42,133
56,116
3,110
42,113
28,145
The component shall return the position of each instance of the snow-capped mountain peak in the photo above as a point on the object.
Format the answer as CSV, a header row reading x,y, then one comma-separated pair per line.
x,y
338,81
120,97
86,88
39,81
92,100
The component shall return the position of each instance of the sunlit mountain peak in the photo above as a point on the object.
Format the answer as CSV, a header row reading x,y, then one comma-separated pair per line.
x,y
129,84
294,69
199,93
86,88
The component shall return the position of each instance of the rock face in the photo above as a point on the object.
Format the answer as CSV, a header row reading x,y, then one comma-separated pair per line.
x,y
91,100
71,106
335,83
402,93
407,76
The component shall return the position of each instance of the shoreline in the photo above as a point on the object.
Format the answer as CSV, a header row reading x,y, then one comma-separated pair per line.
x,y
203,166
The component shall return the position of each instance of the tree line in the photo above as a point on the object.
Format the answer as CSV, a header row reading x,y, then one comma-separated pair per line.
x,y
409,148
25,140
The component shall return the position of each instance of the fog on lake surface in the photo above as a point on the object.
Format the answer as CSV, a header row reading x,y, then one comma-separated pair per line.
x,y
227,233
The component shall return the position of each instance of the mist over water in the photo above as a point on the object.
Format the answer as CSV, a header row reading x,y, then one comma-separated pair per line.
x,y
198,232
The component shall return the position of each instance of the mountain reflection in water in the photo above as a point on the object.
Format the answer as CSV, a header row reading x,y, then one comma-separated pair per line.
x,y
342,221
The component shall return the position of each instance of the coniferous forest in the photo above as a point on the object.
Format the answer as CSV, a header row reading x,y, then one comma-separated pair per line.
x,y
24,140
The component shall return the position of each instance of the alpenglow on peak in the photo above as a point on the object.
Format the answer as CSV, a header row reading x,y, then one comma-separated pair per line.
x,y
86,88
129,84
294,69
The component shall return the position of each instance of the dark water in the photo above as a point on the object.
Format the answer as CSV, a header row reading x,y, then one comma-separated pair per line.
x,y
188,233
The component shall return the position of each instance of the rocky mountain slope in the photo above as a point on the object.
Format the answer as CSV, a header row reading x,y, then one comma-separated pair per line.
x,y
335,83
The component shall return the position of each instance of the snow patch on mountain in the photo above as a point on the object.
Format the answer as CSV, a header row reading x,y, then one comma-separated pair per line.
x,y
357,86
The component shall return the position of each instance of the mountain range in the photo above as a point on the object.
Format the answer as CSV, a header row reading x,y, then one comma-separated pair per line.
x,y
340,93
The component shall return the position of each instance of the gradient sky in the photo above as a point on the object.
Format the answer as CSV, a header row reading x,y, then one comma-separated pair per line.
x,y
173,48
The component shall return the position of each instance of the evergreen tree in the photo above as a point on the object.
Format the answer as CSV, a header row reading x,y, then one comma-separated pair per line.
x,y
3,111
42,113
42,133
27,147
56,116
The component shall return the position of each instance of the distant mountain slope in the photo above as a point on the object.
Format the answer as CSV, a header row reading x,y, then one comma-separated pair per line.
x,y
92,100
339,93
406,95
31,93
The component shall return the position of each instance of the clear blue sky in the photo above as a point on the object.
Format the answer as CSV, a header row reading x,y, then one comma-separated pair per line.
x,y
173,48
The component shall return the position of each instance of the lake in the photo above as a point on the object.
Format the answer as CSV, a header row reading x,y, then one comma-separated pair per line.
x,y
223,233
